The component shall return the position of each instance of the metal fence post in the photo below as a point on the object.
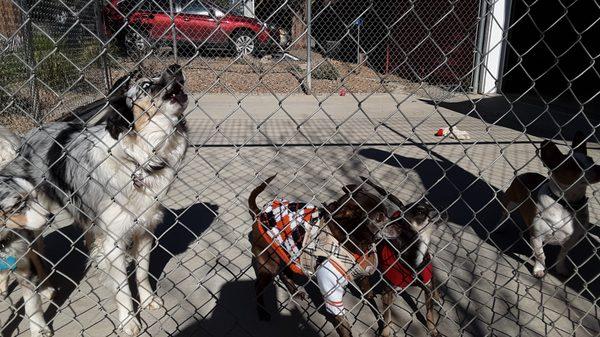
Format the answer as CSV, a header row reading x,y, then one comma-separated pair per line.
x,y
308,47
31,62
173,31
101,36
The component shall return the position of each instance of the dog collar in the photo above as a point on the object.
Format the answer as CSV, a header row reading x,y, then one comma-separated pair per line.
x,y
570,205
8,263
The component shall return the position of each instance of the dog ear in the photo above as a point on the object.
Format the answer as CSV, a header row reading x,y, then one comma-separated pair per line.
x,y
119,117
352,188
580,143
120,87
551,155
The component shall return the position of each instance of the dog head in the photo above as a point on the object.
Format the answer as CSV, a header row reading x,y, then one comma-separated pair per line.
x,y
357,218
135,100
415,226
572,171
411,226
19,206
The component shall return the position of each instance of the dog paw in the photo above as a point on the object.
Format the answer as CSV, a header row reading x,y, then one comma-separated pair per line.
x,y
385,332
132,327
301,295
48,293
435,333
43,332
152,303
539,273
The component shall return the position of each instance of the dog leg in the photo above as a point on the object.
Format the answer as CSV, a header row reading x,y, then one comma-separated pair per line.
x,y
143,250
33,308
47,290
561,265
263,278
539,268
114,265
342,326
429,301
4,282
332,284
389,295
297,293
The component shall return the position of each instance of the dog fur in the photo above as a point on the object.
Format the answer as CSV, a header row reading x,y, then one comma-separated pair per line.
x,y
414,225
555,209
110,176
354,220
19,210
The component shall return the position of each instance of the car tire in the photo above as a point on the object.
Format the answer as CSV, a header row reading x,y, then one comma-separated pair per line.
x,y
244,43
136,43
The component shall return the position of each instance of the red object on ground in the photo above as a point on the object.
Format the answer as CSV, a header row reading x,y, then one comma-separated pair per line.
x,y
440,132
343,92
396,272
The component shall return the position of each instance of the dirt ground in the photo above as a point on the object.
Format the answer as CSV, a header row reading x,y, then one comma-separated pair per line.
x,y
222,75
269,74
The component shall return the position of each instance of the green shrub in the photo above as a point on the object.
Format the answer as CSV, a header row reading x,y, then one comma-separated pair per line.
x,y
326,71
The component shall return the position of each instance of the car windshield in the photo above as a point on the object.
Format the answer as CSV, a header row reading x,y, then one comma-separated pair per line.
x,y
193,7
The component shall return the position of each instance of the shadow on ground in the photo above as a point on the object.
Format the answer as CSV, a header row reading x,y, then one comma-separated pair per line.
x,y
177,231
471,201
536,120
66,251
235,315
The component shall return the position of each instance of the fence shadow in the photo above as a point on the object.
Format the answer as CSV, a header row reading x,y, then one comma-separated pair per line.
x,y
235,315
535,120
471,201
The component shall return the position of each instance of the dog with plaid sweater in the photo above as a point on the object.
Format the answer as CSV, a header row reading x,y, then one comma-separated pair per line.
x,y
335,244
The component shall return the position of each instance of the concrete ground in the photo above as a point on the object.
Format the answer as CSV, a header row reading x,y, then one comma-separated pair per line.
x,y
203,262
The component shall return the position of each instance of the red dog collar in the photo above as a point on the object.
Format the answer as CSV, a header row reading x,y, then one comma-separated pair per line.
x,y
396,272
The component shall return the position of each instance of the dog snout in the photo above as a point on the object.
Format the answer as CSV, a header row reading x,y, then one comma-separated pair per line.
x,y
174,75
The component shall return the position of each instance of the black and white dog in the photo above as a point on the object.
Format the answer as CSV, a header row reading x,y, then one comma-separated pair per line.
x,y
110,176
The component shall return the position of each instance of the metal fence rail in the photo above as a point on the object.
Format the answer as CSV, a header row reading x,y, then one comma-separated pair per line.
x,y
147,226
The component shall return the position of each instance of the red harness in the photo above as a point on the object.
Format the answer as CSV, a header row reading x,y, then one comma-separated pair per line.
x,y
396,272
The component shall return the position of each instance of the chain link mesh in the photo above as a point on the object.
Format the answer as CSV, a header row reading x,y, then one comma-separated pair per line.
x,y
443,101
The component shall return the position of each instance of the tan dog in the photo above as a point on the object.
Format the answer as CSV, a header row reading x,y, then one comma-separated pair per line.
x,y
405,261
555,209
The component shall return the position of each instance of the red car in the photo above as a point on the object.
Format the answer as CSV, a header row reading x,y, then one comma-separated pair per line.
x,y
142,25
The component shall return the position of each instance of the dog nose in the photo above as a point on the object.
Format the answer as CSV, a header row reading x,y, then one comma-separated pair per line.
x,y
175,73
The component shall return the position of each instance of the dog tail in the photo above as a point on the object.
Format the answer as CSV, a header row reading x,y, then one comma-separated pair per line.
x,y
254,210
9,145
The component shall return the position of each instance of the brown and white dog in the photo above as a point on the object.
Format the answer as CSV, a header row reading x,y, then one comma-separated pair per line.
x,y
555,209
405,260
333,244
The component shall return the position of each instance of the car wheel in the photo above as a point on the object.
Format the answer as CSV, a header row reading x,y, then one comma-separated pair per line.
x,y
136,43
244,43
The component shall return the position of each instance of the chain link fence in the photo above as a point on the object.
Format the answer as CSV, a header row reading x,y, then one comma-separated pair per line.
x,y
408,125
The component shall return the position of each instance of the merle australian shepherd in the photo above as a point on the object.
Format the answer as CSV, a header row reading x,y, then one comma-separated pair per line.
x,y
109,177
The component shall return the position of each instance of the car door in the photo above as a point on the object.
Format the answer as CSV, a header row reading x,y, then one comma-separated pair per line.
x,y
194,22
156,14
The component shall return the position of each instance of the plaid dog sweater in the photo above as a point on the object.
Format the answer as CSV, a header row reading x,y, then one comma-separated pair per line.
x,y
299,237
